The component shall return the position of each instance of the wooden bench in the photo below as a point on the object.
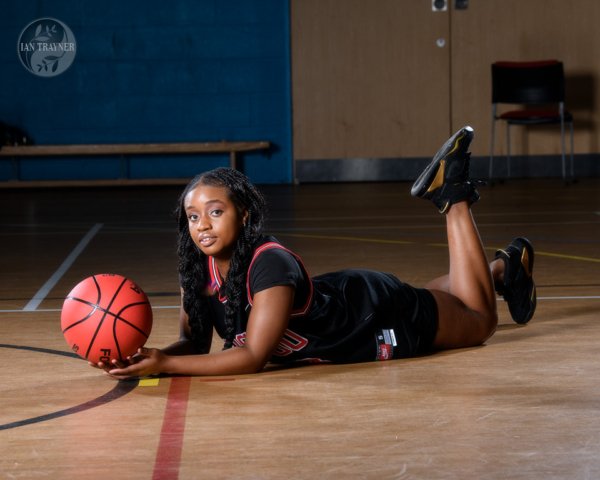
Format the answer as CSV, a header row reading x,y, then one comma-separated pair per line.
x,y
124,149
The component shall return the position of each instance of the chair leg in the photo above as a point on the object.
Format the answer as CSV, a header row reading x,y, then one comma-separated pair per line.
x,y
562,145
572,152
507,150
492,144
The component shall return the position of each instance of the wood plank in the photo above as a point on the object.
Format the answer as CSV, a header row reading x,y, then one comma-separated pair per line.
x,y
131,148
524,406
96,183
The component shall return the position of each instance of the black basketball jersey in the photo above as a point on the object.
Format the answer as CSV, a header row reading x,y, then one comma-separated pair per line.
x,y
342,317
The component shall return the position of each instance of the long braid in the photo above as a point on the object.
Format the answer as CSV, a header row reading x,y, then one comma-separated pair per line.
x,y
193,275
236,282
193,264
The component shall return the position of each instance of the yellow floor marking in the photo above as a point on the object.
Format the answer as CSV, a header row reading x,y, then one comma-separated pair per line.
x,y
444,245
149,382
568,257
351,239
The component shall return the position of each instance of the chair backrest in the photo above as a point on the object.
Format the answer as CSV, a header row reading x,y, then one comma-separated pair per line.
x,y
528,82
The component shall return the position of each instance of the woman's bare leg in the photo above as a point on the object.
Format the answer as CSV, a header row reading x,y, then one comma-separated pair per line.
x,y
443,282
512,274
466,302
467,307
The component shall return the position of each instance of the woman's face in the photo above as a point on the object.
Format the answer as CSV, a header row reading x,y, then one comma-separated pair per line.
x,y
213,220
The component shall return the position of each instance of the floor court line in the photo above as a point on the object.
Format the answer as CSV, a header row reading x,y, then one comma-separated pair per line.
x,y
412,242
120,389
57,275
168,455
176,307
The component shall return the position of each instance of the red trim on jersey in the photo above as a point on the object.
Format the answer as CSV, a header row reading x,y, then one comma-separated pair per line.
x,y
269,246
215,278
290,342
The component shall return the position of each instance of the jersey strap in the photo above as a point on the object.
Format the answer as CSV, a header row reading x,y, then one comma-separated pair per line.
x,y
269,246
215,279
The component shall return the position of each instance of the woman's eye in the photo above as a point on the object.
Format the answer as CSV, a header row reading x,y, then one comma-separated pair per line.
x,y
216,213
193,218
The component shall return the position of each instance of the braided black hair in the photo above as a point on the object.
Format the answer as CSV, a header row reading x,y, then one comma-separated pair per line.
x,y
193,266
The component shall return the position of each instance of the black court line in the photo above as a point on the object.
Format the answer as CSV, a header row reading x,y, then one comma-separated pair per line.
x,y
122,388
40,350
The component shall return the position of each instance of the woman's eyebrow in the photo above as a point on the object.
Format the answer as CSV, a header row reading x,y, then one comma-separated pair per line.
x,y
212,202
208,203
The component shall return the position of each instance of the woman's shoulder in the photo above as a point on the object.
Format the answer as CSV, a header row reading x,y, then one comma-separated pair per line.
x,y
270,253
269,242
274,264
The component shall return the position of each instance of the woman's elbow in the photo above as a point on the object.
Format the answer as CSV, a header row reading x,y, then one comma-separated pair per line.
x,y
255,363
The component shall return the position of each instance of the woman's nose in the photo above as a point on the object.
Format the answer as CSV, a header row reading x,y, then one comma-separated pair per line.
x,y
203,223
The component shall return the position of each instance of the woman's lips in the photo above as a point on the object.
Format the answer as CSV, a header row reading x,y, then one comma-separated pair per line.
x,y
207,241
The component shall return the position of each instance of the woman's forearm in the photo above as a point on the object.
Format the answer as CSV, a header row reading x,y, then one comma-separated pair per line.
x,y
235,361
181,347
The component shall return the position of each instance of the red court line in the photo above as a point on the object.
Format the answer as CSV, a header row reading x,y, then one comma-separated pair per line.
x,y
168,456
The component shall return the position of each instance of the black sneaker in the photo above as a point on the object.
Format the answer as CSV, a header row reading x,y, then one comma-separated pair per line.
x,y
445,181
518,287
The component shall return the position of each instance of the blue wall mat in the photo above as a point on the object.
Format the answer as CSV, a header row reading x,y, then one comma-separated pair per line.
x,y
155,71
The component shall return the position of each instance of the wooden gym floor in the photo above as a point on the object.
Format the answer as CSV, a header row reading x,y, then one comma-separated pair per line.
x,y
525,405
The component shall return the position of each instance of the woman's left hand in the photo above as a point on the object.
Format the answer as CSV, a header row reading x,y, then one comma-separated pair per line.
x,y
147,361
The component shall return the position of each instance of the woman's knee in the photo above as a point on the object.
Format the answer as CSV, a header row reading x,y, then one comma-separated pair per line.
x,y
460,326
489,325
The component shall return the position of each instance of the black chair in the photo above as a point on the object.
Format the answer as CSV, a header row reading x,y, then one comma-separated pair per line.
x,y
539,87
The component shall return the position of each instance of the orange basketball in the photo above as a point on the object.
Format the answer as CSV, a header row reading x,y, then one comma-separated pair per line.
x,y
106,317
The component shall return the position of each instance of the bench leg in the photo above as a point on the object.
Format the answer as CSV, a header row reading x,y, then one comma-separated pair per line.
x,y
16,168
124,167
232,160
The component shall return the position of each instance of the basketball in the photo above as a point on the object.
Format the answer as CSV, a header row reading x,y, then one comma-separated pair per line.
x,y
106,317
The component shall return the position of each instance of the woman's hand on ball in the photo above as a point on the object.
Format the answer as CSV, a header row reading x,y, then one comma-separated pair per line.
x,y
147,361
108,366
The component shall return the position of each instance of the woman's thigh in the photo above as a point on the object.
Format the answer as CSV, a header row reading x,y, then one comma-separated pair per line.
x,y
460,326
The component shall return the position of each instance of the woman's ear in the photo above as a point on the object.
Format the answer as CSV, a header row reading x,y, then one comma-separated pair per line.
x,y
245,217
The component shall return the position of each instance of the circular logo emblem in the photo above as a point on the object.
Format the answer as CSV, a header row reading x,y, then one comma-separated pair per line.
x,y
46,47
